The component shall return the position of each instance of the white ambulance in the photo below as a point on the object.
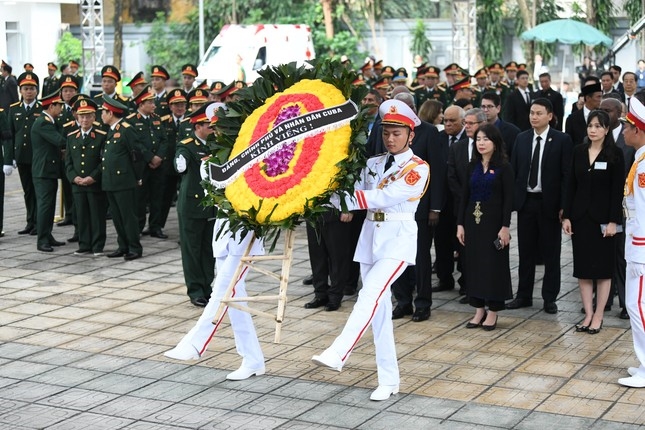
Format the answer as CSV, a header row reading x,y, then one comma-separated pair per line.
x,y
239,51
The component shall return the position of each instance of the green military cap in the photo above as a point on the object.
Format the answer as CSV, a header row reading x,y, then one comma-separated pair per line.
x,y
114,106
78,97
28,78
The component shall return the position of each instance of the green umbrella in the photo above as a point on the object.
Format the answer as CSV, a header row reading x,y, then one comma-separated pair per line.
x,y
566,31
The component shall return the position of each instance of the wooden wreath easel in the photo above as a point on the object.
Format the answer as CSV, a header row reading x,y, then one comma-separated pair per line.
x,y
249,261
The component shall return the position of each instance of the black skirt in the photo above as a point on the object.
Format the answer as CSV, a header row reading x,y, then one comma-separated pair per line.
x,y
593,254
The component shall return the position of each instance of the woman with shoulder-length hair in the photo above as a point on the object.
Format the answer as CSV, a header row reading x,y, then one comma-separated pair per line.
x,y
484,219
432,111
592,213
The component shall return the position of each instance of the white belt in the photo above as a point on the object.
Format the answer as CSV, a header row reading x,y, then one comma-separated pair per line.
x,y
382,216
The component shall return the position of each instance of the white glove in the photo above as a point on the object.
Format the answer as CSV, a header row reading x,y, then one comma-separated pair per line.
x,y
8,170
635,270
180,163
15,166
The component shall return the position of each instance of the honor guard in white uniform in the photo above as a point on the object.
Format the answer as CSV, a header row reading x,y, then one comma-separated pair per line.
x,y
228,249
390,188
634,209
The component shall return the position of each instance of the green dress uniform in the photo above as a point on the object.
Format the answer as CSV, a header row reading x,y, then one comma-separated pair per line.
x,y
161,105
152,136
50,85
21,119
119,179
175,132
5,142
98,99
83,158
437,93
47,144
196,222
66,117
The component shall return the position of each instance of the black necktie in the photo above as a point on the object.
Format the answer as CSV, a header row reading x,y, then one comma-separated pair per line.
x,y
528,98
628,98
84,136
453,139
389,162
28,108
535,164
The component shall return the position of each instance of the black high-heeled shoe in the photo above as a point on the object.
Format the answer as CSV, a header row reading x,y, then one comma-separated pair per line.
x,y
490,327
595,330
479,324
581,328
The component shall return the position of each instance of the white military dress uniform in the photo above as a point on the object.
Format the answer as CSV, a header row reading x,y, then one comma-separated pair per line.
x,y
387,245
228,250
634,211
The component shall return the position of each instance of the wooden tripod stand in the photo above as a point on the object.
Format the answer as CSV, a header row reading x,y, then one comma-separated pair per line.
x,y
250,261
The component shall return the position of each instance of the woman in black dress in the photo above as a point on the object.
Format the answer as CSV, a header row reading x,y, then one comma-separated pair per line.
x,y
592,212
483,222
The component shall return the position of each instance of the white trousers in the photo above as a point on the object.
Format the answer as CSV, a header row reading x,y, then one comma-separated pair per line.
x,y
635,302
374,306
246,340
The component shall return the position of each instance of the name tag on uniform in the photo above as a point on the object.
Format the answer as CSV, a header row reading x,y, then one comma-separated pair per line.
x,y
600,165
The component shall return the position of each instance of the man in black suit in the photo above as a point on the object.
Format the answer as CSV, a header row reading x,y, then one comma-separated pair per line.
x,y
519,102
607,84
541,160
459,156
616,70
425,145
576,125
8,87
554,97
491,105
446,229
614,109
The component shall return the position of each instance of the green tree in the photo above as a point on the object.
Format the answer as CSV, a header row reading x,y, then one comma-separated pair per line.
x,y
68,48
420,45
166,46
634,10
545,11
490,30
598,14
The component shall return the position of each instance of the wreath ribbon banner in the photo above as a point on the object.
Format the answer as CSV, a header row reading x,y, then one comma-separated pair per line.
x,y
293,130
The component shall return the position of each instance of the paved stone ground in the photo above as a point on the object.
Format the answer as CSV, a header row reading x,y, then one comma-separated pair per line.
x,y
82,341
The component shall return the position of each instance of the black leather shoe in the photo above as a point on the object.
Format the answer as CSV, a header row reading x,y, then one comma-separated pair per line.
x,y
45,248
421,314
309,280
65,222
349,291
159,234
401,311
490,327
623,314
199,302
316,303
131,256
56,243
550,308
443,286
330,307
33,232
73,239
145,232
115,254
519,303
479,324
1,233
28,228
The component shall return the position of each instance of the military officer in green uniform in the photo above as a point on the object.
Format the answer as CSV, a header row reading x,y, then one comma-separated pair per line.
x,y
159,77
215,88
177,128
83,169
119,178
495,72
5,141
152,136
51,83
110,76
196,99
430,91
196,222
22,116
136,84
47,144
188,75
511,73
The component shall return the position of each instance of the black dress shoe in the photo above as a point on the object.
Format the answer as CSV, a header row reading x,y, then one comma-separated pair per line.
x,y
115,254
550,308
159,234
479,324
421,314
131,256
401,311
519,303
330,307
490,327
1,233
595,330
309,280
73,238
316,303
349,291
199,302
56,243
623,314
45,248
65,222
145,232
33,232
443,286
28,228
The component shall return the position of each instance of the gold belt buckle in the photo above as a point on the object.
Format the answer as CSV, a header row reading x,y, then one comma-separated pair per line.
x,y
379,216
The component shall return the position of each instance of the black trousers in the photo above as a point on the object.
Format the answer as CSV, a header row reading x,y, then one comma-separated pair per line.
x,y
492,305
445,233
538,233
330,255
27,181
46,189
419,275
620,268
